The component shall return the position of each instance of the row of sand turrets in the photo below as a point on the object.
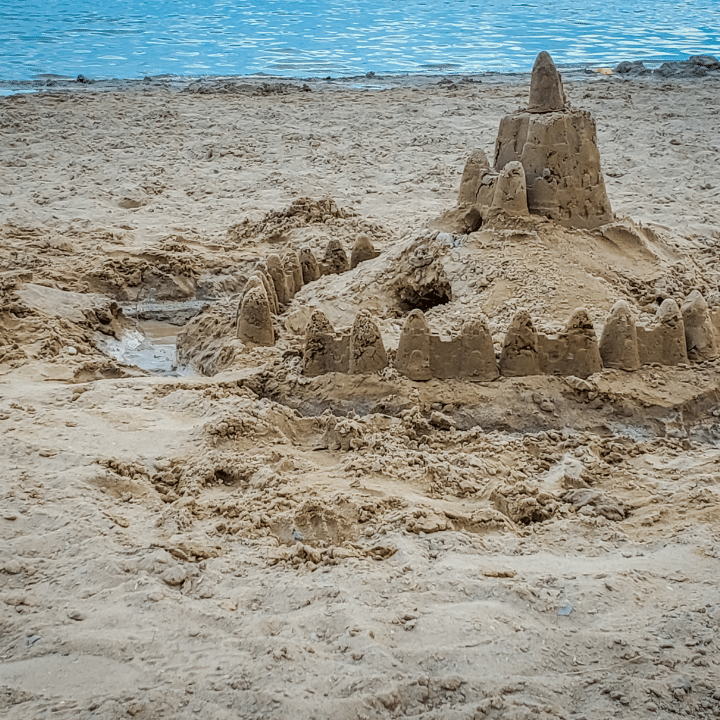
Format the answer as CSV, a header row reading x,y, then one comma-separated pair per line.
x,y
674,336
546,162
274,283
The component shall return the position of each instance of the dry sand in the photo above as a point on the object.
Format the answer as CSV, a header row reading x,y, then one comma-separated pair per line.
x,y
180,547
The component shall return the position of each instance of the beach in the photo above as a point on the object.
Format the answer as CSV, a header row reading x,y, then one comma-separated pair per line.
x,y
238,539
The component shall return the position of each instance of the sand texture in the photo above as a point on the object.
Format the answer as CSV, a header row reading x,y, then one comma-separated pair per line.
x,y
507,506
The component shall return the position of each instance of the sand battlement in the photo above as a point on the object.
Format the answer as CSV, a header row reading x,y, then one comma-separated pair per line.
x,y
674,336
677,334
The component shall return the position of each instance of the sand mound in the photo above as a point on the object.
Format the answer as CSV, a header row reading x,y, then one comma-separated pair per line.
x,y
320,218
67,328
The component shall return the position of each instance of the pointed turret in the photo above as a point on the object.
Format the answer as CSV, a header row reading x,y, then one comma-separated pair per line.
x,y
413,354
619,342
261,272
309,265
277,275
367,352
293,271
700,335
335,260
476,167
546,90
362,250
511,191
478,355
583,353
254,321
520,350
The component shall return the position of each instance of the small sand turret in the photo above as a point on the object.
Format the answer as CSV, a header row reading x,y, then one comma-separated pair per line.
x,y
413,353
520,349
546,90
700,335
260,272
619,342
335,260
478,354
254,320
476,168
663,340
277,275
309,265
254,281
362,250
511,191
293,271
367,352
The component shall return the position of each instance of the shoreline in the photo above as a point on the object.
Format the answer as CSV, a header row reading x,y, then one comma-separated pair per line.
x,y
48,82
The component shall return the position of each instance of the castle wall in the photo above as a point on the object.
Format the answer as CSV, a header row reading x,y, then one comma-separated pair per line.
x,y
445,357
423,355
674,336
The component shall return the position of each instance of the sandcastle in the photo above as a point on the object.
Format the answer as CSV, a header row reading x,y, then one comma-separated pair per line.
x,y
423,355
546,163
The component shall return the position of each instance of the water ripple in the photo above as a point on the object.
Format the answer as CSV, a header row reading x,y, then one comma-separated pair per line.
x,y
129,38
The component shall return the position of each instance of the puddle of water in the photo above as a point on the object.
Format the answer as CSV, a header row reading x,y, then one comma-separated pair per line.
x,y
152,347
633,432
161,334
152,344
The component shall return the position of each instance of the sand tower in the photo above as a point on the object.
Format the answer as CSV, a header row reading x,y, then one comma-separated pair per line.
x,y
556,147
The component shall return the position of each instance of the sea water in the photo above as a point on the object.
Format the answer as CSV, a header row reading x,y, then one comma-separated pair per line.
x,y
319,38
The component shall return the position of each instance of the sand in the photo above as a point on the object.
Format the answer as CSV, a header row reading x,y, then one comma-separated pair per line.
x,y
255,543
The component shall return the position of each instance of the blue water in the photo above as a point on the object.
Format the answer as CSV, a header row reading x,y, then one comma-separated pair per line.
x,y
304,38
